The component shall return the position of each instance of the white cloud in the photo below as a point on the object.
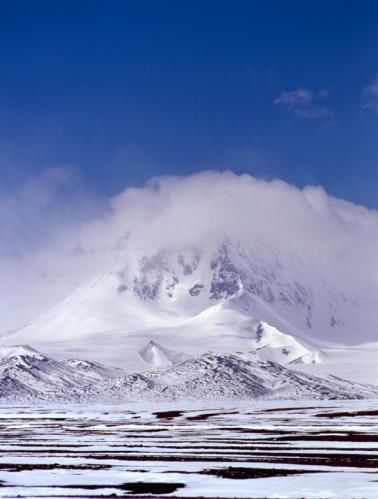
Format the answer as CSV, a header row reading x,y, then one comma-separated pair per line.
x,y
314,112
295,98
370,94
372,89
68,244
302,102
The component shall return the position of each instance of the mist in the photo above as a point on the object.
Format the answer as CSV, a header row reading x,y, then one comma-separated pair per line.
x,y
56,235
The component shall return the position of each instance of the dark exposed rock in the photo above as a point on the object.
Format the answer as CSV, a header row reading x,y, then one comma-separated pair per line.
x,y
196,289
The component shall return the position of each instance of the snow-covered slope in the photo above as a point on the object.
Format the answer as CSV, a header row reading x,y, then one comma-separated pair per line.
x,y
213,376
271,344
22,352
191,300
27,375
156,355
92,371
223,298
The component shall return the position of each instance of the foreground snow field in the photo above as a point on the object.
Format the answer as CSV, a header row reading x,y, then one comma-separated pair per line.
x,y
284,449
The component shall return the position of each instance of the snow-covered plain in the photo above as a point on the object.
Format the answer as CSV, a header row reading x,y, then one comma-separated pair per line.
x,y
309,449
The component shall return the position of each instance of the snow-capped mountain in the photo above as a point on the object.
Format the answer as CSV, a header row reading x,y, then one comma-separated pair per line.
x,y
191,300
225,376
225,298
156,355
27,375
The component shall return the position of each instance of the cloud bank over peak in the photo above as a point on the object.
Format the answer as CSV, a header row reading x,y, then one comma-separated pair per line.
x,y
72,237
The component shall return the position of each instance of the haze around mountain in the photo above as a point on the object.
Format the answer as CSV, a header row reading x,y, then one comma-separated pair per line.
x,y
49,253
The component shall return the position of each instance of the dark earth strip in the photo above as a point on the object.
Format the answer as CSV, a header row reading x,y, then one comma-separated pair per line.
x,y
248,473
347,414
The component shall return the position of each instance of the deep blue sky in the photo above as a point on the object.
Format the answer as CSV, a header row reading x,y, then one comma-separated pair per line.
x,y
126,90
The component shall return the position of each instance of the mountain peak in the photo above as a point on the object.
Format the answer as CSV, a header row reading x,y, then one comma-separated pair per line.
x,y
157,356
11,351
227,296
